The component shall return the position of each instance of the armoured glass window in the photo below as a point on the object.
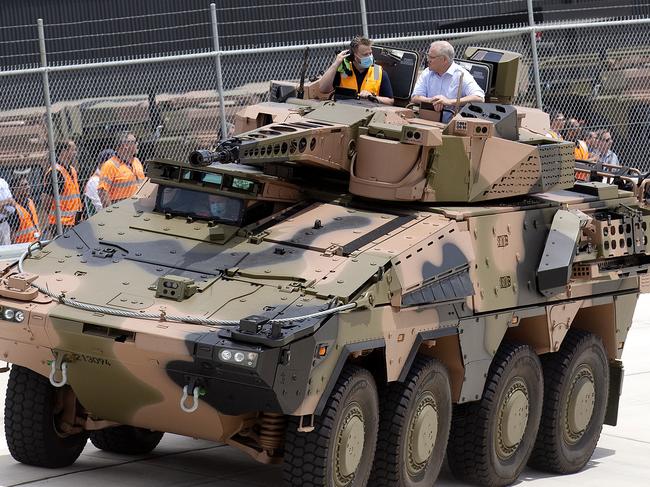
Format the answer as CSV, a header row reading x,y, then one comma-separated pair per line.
x,y
200,205
206,178
212,178
170,172
243,184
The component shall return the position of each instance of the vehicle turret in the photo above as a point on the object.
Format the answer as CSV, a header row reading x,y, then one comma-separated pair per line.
x,y
487,151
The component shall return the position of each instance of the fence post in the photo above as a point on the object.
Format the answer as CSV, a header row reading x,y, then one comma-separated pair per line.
x,y
533,45
217,62
364,18
50,130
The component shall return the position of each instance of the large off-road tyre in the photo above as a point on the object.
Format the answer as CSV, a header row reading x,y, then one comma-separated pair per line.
x,y
491,439
340,450
30,418
127,440
576,384
415,417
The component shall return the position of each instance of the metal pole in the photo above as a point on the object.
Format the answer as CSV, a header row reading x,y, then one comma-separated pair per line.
x,y
533,45
50,129
364,18
217,62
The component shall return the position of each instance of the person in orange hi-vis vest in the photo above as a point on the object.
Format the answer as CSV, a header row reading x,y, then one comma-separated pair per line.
x,y
581,151
354,69
558,122
68,185
24,224
572,134
7,210
121,175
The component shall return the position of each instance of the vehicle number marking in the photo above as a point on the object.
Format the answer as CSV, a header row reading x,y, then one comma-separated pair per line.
x,y
89,359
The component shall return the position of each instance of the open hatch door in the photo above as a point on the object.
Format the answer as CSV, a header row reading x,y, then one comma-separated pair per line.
x,y
402,66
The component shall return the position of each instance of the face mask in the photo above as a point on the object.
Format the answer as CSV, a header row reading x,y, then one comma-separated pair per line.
x,y
366,62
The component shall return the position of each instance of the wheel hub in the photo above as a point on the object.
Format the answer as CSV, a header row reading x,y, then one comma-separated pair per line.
x,y
513,419
422,434
580,405
350,444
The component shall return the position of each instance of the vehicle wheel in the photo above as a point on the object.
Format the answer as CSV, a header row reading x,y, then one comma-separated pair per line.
x,y
127,440
414,422
576,383
340,450
31,409
492,439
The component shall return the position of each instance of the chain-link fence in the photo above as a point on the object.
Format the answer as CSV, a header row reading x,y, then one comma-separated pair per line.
x,y
597,73
92,30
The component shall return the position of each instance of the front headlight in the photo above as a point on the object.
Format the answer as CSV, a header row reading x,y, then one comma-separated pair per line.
x,y
237,357
10,314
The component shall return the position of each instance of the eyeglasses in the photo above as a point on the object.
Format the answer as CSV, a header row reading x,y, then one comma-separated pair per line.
x,y
431,58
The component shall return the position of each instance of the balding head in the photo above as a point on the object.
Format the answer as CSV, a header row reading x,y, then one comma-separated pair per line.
x,y
443,48
440,56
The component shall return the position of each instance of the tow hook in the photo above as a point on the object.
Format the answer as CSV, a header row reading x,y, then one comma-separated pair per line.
x,y
59,365
196,392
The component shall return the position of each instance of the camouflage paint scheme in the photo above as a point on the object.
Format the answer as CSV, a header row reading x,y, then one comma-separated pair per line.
x,y
408,229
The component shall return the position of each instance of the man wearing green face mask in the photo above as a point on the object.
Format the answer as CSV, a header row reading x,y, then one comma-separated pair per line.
x,y
355,69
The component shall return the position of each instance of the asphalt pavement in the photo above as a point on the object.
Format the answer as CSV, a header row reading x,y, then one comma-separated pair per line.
x,y
621,458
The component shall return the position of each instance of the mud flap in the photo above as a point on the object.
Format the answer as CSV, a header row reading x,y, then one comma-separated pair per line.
x,y
615,389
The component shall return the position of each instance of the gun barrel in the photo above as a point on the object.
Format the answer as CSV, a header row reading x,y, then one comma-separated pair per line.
x,y
226,153
205,157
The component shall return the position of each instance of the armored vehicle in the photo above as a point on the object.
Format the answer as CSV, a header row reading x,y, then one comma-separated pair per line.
x,y
351,289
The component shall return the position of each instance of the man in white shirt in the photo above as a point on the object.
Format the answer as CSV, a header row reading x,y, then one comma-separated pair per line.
x,y
7,208
90,191
607,155
439,84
